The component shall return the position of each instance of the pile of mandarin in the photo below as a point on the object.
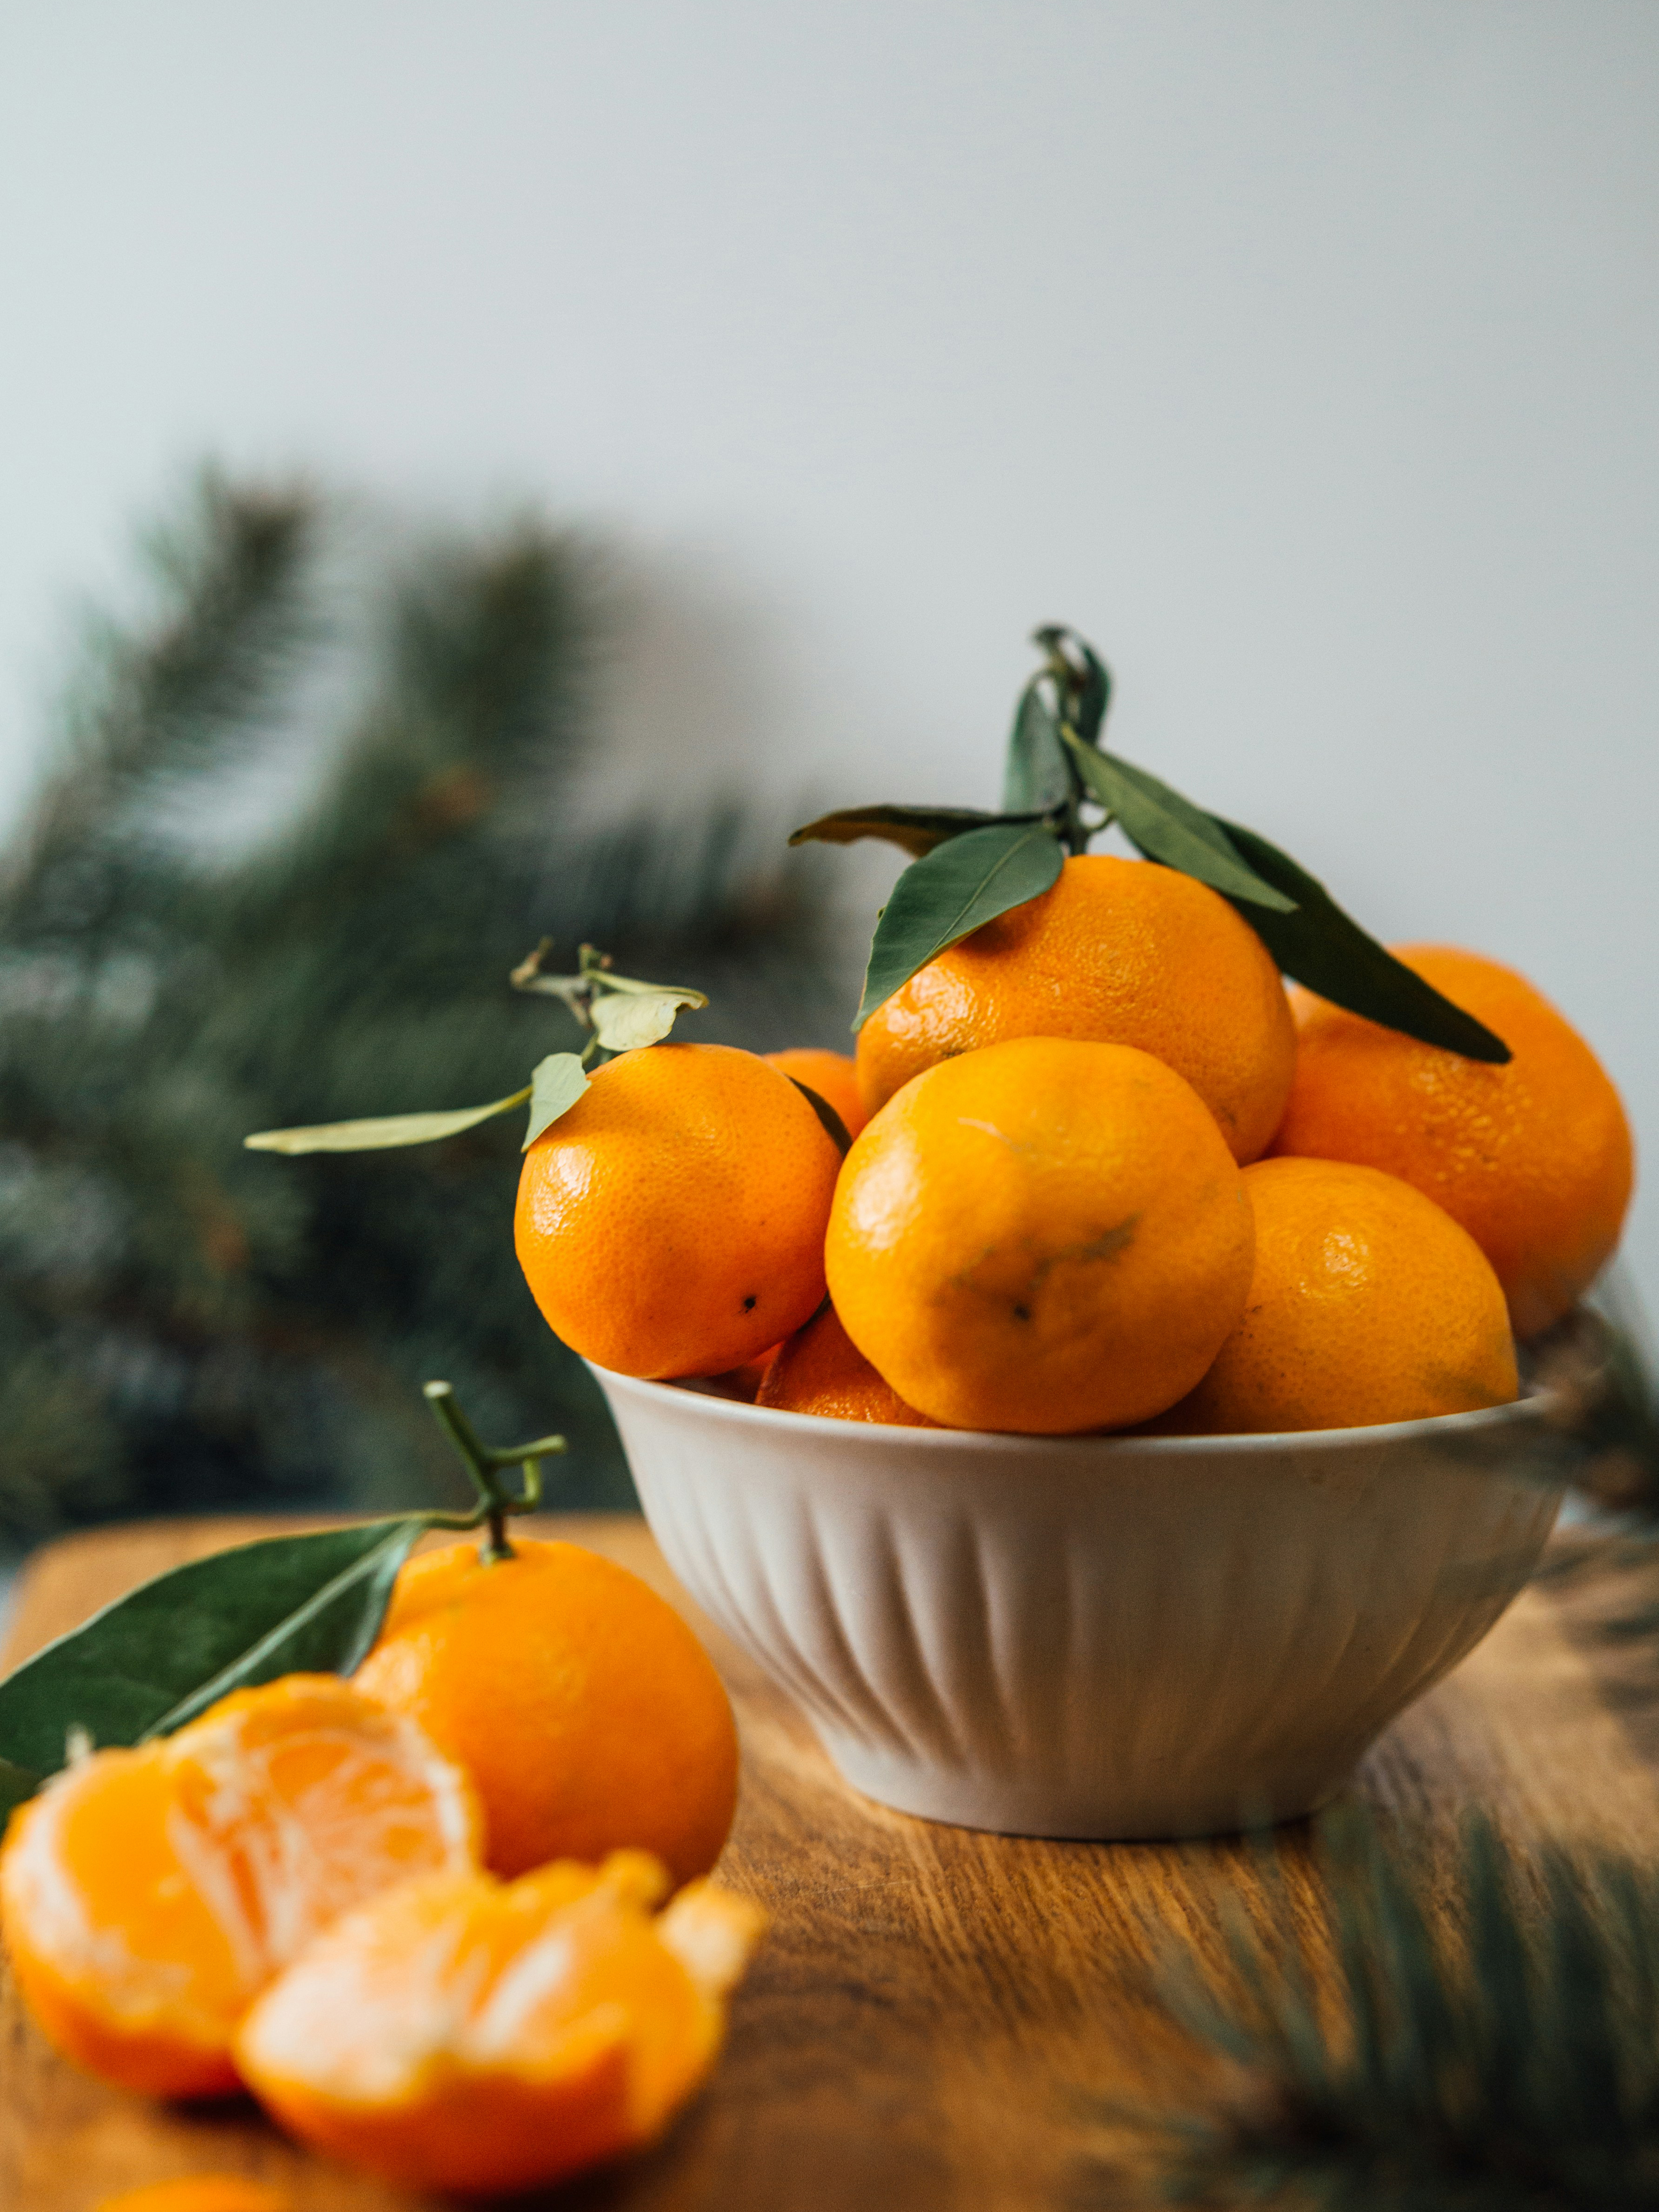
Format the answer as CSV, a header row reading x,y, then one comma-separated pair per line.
x,y
1106,1174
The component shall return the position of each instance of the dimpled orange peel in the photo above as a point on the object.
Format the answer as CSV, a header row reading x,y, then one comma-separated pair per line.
x,y
671,1221
1534,1158
821,1370
1046,1236
1367,1303
833,1075
1117,952
584,1709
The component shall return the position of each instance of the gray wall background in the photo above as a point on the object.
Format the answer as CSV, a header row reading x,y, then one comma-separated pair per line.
x,y
1303,354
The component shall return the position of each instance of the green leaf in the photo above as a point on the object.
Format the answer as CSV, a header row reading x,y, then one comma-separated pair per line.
x,y
951,891
558,1082
916,829
1322,947
383,1132
1168,827
639,1016
1036,779
165,1652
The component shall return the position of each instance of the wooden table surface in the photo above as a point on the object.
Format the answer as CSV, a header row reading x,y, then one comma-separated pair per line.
x,y
934,2010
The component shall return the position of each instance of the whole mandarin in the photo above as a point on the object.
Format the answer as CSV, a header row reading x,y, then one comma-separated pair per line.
x,y
671,1222
1043,1237
1534,1158
587,1713
1367,1303
833,1075
1117,952
821,1370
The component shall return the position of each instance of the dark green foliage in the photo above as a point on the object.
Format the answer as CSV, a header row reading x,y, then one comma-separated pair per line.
x,y
1508,2063
186,1324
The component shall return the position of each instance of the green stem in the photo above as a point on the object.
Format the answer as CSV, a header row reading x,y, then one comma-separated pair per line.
x,y
484,1462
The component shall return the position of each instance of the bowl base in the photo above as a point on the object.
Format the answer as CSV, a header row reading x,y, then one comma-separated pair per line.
x,y
1014,1805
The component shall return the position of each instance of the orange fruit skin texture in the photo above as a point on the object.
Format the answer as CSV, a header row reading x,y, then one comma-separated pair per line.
x,y
821,1370
1117,952
1367,1303
1043,1237
147,1896
833,1075
200,2192
671,1222
1534,1158
460,2035
585,1712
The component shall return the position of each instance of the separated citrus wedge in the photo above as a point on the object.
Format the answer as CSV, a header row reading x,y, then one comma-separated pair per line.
x,y
147,1896
460,2033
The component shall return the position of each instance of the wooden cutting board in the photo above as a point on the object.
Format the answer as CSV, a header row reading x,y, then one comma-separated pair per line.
x,y
935,2011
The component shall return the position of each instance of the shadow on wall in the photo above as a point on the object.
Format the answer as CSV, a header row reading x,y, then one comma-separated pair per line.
x,y
300,818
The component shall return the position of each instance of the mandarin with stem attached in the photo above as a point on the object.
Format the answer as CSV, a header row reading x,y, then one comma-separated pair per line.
x,y
833,1075
1367,1303
466,2036
1534,1158
1117,953
671,1221
821,1370
147,1896
584,1710
1045,1235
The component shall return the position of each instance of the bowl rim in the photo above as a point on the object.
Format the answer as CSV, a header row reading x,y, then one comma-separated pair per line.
x,y
696,1396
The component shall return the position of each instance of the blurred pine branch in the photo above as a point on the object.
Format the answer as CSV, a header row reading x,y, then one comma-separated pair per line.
x,y
1499,2055
184,1324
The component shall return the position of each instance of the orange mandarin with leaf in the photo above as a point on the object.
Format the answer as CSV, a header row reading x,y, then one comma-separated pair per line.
x,y
671,1221
1117,952
1534,1158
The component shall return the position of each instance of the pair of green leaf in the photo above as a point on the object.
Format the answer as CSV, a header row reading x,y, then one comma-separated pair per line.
x,y
283,1605
624,1014
968,868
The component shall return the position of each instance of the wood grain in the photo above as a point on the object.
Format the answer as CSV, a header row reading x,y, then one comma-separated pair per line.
x,y
936,2011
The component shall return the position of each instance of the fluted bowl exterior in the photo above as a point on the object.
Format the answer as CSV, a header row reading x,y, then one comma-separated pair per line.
x,y
1093,1636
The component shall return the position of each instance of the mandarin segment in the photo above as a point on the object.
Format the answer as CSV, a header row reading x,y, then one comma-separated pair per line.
x,y
1117,952
586,1713
821,1370
1534,1158
671,1222
1044,1237
147,1896
461,2034
1367,1303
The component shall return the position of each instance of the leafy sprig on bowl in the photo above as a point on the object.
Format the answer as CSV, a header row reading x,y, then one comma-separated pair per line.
x,y
1062,788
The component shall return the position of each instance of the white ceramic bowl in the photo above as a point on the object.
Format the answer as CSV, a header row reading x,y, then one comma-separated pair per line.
x,y
1093,1636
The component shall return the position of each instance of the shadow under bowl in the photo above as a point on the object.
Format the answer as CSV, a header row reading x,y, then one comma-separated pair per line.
x,y
1105,1636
